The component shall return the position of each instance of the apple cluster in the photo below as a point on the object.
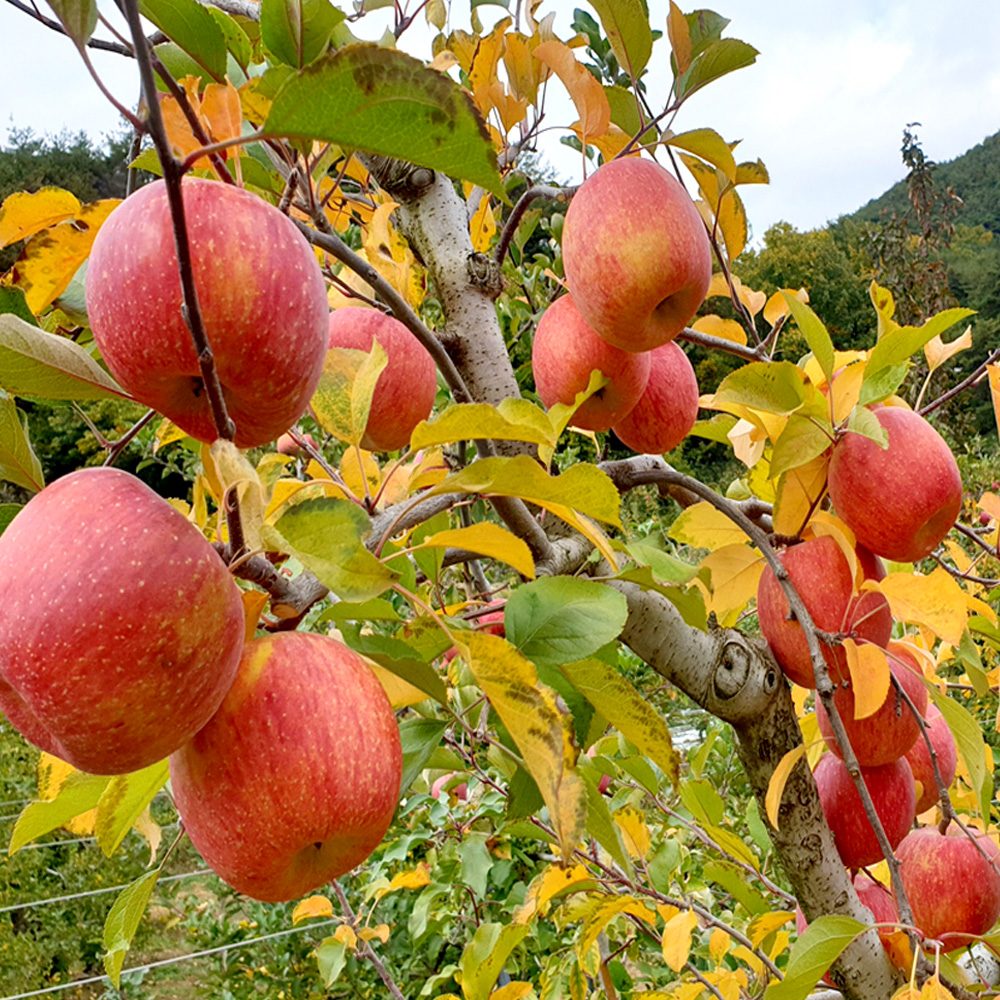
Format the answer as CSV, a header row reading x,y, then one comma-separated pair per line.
x,y
638,265
889,744
122,632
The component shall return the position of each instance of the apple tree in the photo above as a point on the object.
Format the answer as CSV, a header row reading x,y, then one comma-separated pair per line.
x,y
457,478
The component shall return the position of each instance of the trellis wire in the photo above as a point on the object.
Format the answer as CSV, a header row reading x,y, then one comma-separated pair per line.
x,y
76,840
73,984
52,900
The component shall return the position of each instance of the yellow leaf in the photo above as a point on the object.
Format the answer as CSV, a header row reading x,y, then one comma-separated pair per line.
x,y
166,433
978,607
635,834
990,503
52,773
718,945
677,939
552,882
870,677
587,94
254,602
777,304
51,258
823,523
233,471
732,219
993,372
936,601
702,526
401,693
488,540
748,440
586,527
541,728
483,69
360,472
934,990
416,878
776,786
679,33
767,923
513,991
23,214
346,936
150,831
512,420
937,352
483,226
603,913
381,932
735,573
314,906
724,329
443,61
343,398
799,493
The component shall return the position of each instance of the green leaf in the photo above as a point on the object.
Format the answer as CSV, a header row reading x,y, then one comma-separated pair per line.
x,y
420,738
773,386
343,398
812,954
619,702
400,659
383,101
714,61
326,536
8,511
193,29
512,420
702,801
816,334
800,442
898,345
583,487
882,384
476,862
79,793
862,421
12,300
734,881
18,462
600,824
36,363
559,619
123,801
485,956
626,23
689,603
237,42
969,740
78,17
709,146
297,31
331,956
705,27
666,568
376,610
123,922
715,429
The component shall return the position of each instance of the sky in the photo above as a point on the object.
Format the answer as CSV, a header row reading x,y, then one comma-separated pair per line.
x,y
824,105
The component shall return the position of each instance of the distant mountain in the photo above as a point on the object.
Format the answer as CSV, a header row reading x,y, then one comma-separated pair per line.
x,y
975,176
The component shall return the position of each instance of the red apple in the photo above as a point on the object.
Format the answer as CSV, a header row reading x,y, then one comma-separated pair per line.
x,y
294,780
893,794
636,253
404,393
563,355
120,627
887,734
287,445
262,298
667,410
953,890
900,502
920,759
822,577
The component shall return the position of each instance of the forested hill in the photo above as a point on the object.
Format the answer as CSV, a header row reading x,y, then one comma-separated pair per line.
x,y
975,176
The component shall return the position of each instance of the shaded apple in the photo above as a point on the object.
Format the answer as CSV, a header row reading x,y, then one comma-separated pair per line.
x,y
901,501
295,779
822,576
636,253
667,409
892,792
120,626
262,299
287,445
954,891
888,733
564,353
920,759
405,390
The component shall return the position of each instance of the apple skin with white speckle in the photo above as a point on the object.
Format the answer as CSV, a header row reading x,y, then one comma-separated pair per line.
x,y
120,627
262,299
